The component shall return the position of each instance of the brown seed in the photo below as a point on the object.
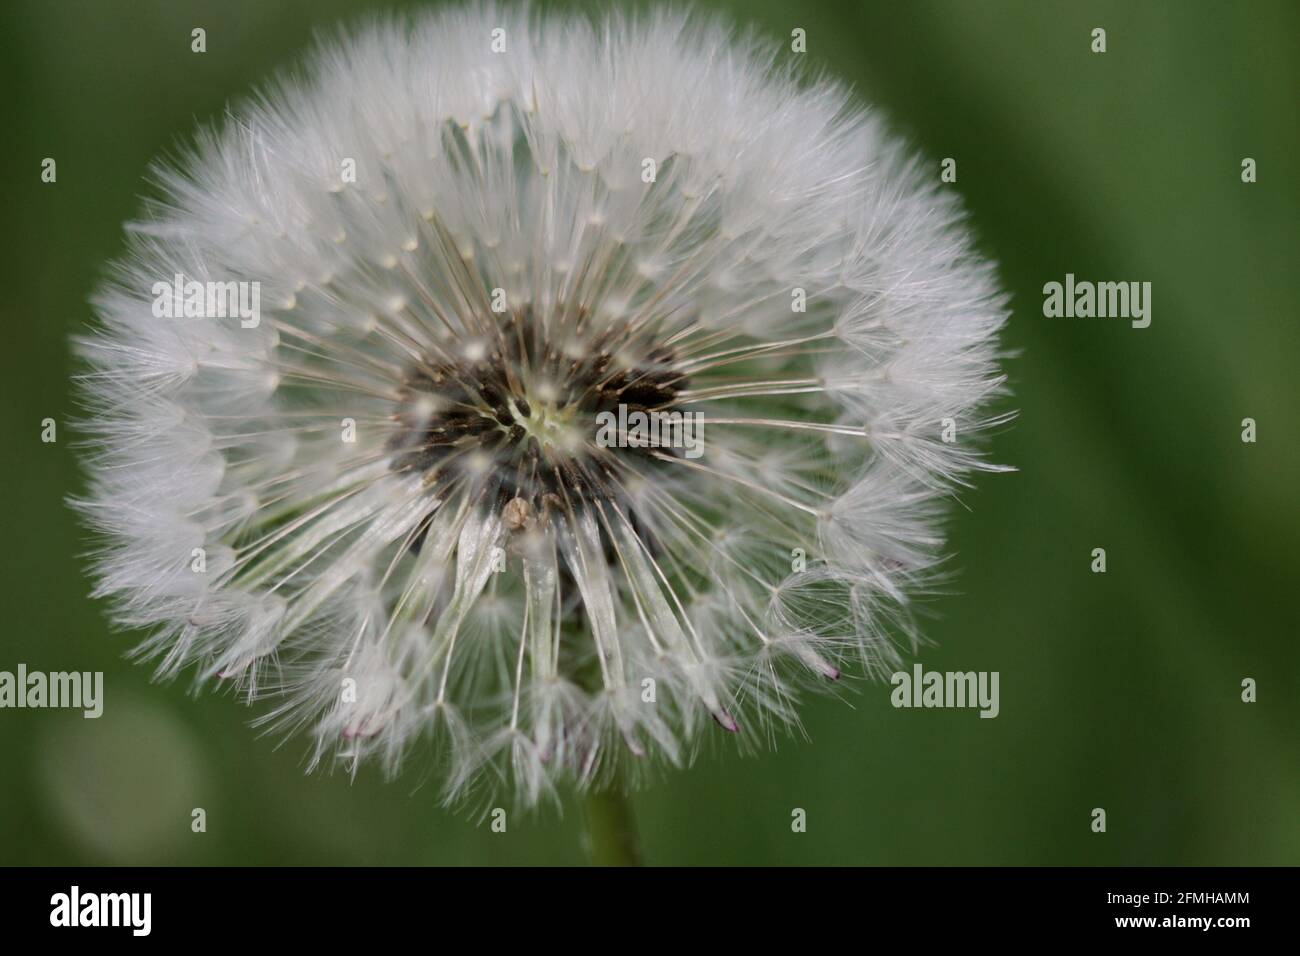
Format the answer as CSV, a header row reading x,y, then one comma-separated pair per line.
x,y
515,514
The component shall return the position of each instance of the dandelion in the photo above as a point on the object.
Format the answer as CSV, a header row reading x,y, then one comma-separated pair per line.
x,y
379,502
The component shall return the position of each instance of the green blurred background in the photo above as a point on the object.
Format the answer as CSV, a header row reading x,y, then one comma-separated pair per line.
x,y
1119,690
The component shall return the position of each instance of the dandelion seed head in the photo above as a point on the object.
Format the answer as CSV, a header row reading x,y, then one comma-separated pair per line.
x,y
383,509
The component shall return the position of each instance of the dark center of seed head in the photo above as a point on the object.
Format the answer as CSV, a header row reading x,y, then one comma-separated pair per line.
x,y
520,419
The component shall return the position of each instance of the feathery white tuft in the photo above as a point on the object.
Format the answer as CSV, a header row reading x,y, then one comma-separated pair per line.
x,y
474,567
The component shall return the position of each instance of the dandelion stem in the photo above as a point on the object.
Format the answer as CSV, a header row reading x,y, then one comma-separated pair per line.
x,y
610,835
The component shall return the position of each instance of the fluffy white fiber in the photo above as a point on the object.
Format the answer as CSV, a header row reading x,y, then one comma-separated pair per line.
x,y
473,568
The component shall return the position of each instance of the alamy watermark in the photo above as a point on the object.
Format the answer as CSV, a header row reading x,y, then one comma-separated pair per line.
x,y
922,688
651,429
191,299
1103,300
75,908
77,690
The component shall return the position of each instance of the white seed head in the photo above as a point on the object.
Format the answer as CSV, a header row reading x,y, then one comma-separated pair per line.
x,y
411,528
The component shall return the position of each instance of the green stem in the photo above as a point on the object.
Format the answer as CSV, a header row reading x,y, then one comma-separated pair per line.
x,y
611,828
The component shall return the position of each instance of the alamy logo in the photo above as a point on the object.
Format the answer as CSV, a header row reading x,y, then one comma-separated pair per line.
x,y
103,909
78,690
1104,300
923,688
653,429
181,299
